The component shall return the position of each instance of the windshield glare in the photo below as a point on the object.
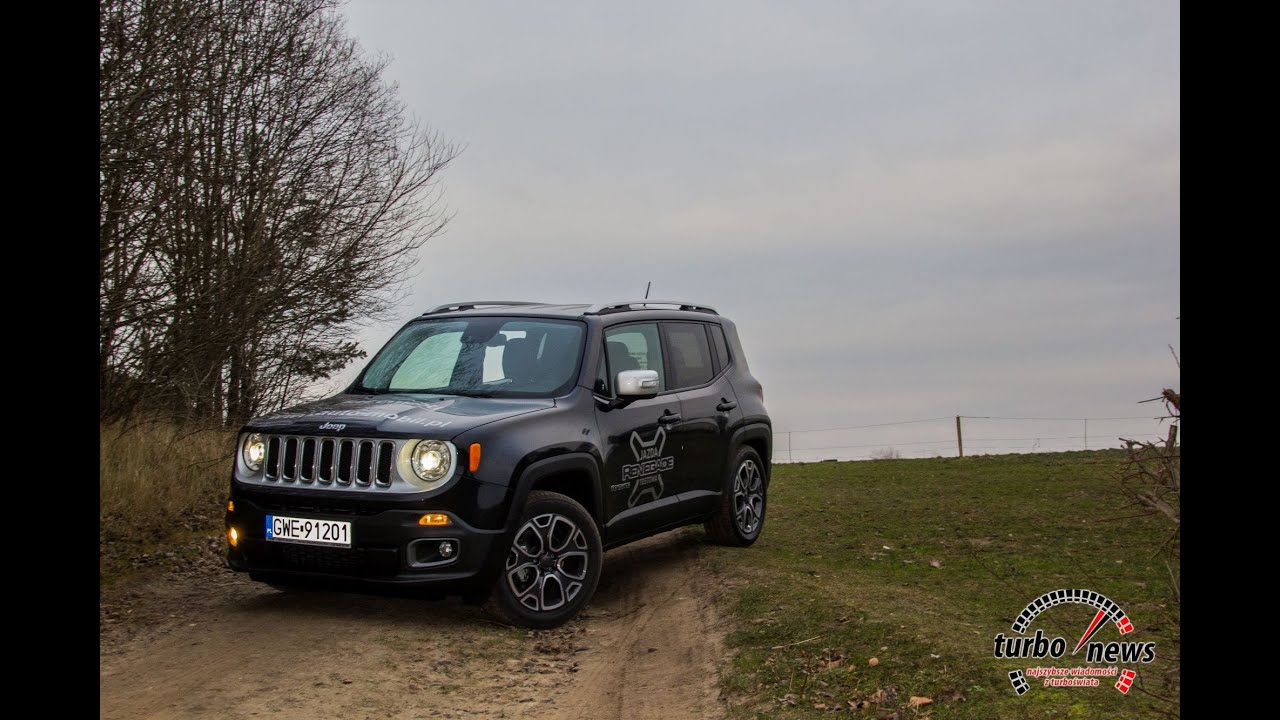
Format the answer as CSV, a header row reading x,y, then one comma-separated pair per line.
x,y
482,356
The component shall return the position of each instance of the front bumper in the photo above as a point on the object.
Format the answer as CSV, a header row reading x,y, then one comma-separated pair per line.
x,y
389,548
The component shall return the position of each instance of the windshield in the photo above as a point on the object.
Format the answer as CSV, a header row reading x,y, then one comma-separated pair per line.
x,y
480,357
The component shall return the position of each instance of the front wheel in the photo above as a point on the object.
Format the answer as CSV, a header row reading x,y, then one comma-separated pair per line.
x,y
740,517
552,566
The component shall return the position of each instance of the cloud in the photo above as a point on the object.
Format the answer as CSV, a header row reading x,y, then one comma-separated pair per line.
x,y
909,209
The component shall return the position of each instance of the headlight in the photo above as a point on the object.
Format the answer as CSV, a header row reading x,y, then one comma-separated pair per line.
x,y
432,460
254,451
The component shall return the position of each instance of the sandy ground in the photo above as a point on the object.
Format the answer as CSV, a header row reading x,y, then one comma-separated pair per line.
x,y
199,641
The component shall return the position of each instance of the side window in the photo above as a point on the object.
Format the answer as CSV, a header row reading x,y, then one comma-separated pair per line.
x,y
721,347
635,347
690,354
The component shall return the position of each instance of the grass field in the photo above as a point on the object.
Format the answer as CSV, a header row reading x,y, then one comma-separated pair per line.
x,y
157,485
919,564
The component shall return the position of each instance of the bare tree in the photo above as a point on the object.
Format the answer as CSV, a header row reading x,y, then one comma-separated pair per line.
x,y
262,191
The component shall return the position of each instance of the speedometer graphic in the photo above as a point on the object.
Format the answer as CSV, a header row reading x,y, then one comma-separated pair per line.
x,y
1106,609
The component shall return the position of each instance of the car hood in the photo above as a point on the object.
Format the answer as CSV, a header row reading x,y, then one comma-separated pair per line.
x,y
439,416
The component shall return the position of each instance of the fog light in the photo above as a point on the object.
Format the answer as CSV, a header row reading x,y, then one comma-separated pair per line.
x,y
446,549
434,520
233,537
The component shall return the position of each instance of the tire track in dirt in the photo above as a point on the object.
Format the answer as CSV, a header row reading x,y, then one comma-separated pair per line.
x,y
656,645
220,646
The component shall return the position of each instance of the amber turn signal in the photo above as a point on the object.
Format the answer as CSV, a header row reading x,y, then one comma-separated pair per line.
x,y
434,520
473,457
233,537
231,506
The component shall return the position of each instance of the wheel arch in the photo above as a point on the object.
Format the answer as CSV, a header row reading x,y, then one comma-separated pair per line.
x,y
576,475
759,437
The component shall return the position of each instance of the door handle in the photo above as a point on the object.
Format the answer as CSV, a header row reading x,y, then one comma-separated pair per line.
x,y
668,418
726,405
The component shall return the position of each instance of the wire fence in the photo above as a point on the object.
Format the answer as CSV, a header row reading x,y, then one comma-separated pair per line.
x,y
958,435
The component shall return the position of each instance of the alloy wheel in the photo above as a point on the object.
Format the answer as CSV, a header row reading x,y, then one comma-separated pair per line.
x,y
547,563
748,497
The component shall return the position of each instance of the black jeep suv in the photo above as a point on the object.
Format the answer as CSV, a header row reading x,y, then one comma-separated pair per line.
x,y
496,449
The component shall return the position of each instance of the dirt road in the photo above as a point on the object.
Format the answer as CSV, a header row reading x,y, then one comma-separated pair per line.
x,y
209,643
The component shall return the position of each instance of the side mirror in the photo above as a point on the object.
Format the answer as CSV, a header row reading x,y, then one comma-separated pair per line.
x,y
637,384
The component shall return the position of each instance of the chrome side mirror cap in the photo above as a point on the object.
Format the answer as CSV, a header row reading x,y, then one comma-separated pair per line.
x,y
637,383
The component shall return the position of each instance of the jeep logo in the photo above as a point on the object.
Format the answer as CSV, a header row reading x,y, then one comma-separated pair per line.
x,y
333,426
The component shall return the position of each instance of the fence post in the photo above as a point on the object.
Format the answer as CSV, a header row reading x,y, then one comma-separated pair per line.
x,y
789,458
959,437
1086,433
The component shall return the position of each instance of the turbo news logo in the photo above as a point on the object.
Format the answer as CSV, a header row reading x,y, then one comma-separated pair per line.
x,y
1040,647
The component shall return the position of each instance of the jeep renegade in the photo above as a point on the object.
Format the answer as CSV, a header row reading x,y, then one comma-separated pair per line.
x,y
496,449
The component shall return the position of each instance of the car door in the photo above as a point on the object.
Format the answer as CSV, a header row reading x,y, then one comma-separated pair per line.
x,y
707,407
640,461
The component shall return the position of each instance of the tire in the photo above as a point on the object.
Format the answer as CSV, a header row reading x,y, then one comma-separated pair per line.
x,y
740,517
551,569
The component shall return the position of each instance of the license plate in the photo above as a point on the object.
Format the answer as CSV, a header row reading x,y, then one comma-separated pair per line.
x,y
308,532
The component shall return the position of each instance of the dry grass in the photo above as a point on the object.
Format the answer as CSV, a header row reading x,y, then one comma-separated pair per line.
x,y
157,483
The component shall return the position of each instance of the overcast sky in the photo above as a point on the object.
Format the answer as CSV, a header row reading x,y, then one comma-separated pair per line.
x,y
911,209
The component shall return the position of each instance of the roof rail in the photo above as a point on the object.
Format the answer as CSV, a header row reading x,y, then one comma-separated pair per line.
x,y
475,304
624,305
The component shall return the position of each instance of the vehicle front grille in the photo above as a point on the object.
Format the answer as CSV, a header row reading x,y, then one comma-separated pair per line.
x,y
329,461
320,558
341,561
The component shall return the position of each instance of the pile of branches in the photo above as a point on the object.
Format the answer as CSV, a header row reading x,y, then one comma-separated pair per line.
x,y
1151,478
1152,474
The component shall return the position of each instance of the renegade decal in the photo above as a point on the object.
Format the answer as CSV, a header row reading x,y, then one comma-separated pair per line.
x,y
644,475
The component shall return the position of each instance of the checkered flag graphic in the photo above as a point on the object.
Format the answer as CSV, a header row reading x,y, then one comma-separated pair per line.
x,y
1125,681
1019,682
